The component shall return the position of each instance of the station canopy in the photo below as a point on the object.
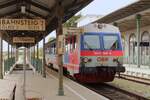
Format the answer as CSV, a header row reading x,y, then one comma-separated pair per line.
x,y
37,9
126,17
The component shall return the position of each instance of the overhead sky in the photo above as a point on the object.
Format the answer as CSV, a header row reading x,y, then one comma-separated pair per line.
x,y
101,7
104,7
97,7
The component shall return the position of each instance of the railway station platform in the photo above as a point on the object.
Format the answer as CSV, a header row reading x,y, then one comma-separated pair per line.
x,y
39,88
143,71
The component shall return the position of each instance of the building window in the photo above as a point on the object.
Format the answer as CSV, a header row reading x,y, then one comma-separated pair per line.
x,y
123,42
145,38
132,42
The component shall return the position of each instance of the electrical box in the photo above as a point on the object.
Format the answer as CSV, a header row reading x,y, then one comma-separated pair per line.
x,y
60,44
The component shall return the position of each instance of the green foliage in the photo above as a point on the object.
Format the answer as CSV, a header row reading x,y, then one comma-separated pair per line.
x,y
72,21
51,38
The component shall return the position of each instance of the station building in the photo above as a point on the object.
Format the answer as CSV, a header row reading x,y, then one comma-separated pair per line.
x,y
134,24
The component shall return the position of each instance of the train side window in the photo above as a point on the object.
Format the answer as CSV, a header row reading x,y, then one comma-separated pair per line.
x,y
51,50
71,44
66,45
74,42
54,48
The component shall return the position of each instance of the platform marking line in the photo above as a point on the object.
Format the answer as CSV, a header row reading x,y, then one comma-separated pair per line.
x,y
69,88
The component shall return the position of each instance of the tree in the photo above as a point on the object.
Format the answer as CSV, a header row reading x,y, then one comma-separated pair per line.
x,y
51,38
72,21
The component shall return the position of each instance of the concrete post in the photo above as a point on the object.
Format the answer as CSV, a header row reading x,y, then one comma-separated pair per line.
x,y
44,69
1,57
138,21
60,13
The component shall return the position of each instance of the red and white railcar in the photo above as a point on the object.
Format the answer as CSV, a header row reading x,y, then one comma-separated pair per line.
x,y
93,53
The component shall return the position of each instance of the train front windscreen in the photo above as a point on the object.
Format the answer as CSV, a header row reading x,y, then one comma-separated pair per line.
x,y
91,42
111,42
101,42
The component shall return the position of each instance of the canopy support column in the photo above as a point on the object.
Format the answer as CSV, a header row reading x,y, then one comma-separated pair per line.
x,y
17,54
37,51
8,51
34,52
60,13
28,54
1,57
44,69
11,51
138,21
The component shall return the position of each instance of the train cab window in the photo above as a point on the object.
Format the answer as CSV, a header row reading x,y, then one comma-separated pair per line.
x,y
74,42
71,44
111,42
91,42
54,48
66,45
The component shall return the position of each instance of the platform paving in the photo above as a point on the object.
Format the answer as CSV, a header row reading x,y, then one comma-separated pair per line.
x,y
47,88
7,89
143,71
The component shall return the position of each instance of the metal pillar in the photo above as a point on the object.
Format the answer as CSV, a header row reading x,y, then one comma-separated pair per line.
x,y
1,57
17,54
8,51
60,13
37,51
138,21
34,52
24,70
11,51
28,54
44,73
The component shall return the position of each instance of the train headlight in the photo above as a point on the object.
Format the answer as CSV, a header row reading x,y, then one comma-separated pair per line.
x,y
85,60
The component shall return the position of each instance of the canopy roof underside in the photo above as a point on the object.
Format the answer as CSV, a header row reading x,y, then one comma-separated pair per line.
x,y
45,9
125,17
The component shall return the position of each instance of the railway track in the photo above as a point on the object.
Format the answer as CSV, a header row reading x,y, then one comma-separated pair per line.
x,y
135,79
110,92
114,93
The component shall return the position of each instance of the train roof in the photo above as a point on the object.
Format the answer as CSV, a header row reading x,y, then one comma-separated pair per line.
x,y
92,28
100,27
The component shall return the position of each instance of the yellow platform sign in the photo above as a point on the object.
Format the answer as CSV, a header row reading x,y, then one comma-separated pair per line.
x,y
23,40
22,24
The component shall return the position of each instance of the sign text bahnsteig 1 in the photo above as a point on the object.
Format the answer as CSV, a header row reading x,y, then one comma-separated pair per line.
x,y
22,24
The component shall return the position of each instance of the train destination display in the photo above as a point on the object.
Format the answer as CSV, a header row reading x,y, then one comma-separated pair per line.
x,y
22,24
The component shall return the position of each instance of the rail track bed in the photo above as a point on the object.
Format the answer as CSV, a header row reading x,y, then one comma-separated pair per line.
x,y
140,80
114,93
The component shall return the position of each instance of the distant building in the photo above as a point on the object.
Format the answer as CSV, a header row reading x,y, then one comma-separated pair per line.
x,y
134,24
87,19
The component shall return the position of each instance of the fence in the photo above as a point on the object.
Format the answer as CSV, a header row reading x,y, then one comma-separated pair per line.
x,y
37,64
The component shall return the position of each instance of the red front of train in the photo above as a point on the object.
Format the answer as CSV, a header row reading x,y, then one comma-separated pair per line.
x,y
93,56
100,57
